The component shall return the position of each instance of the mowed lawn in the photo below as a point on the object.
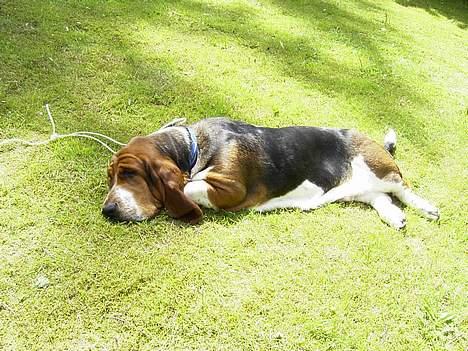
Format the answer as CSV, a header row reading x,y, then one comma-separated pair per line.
x,y
332,279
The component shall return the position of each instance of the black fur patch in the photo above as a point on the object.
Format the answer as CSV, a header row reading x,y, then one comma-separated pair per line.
x,y
286,156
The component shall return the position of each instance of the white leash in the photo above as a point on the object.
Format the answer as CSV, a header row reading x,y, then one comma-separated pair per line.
x,y
54,136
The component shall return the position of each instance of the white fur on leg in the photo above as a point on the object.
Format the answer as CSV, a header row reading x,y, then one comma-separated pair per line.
x,y
362,181
412,200
303,197
308,196
198,192
197,189
387,211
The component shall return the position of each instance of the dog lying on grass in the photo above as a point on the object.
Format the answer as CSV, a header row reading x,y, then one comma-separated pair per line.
x,y
223,164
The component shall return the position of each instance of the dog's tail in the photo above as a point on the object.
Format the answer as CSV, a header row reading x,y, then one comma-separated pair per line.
x,y
390,140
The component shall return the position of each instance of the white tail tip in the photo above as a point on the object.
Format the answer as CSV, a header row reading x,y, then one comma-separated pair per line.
x,y
390,141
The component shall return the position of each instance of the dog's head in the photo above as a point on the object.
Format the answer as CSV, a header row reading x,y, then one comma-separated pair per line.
x,y
142,181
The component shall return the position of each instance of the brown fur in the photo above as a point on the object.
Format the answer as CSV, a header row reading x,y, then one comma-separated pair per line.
x,y
158,182
379,160
231,183
149,203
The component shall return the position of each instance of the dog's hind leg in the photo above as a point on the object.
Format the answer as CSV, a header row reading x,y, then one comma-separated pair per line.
x,y
344,192
388,212
409,198
389,176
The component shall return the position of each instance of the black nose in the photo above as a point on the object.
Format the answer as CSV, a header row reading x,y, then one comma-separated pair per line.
x,y
110,210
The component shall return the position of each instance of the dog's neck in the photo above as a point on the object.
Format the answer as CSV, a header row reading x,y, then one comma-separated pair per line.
x,y
179,144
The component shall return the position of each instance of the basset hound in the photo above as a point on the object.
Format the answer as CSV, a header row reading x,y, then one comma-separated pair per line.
x,y
224,164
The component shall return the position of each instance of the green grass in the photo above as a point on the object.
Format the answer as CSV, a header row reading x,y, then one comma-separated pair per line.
x,y
333,279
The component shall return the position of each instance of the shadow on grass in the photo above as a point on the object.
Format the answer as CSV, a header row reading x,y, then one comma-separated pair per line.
x,y
79,60
374,88
209,216
456,10
98,75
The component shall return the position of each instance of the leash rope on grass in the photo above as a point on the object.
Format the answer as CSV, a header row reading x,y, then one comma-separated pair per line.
x,y
54,136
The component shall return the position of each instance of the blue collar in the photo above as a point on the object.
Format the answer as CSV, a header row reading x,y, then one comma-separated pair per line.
x,y
193,156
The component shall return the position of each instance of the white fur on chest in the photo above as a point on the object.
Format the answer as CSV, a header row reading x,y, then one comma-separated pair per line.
x,y
304,197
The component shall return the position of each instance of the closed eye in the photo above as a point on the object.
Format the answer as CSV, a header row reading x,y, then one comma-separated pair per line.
x,y
127,174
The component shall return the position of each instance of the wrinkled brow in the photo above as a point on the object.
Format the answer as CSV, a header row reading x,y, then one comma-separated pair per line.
x,y
129,161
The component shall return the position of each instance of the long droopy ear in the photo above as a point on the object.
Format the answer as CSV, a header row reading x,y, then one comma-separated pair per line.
x,y
177,204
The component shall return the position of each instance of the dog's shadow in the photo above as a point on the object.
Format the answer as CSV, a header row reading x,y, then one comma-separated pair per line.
x,y
227,218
